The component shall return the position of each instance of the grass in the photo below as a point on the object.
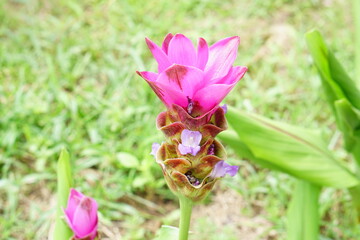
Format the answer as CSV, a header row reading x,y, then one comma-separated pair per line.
x,y
67,79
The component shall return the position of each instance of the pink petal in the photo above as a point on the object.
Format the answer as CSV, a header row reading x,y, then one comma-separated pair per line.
x,y
202,54
208,100
82,220
164,92
221,57
234,75
159,55
93,212
149,76
182,51
73,201
165,44
170,96
184,79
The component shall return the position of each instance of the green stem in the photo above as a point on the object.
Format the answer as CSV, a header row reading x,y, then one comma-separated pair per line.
x,y
185,217
355,195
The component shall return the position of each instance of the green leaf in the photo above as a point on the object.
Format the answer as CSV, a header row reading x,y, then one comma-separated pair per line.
x,y
167,232
64,183
293,150
349,123
342,93
232,139
303,212
127,160
336,82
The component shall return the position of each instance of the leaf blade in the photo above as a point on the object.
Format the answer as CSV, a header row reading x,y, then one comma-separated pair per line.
x,y
297,151
64,183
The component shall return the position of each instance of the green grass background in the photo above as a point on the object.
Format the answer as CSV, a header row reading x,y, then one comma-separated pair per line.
x,y
67,79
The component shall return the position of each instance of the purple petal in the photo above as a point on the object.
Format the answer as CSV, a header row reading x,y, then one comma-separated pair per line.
x,y
190,141
184,149
225,108
159,55
154,148
221,57
222,168
190,138
202,54
182,51
195,150
165,44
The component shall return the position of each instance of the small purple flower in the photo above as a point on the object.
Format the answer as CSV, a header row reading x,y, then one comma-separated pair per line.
x,y
224,107
154,148
222,168
190,142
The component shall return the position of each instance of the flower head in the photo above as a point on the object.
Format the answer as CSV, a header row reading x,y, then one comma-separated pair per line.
x,y
195,79
81,215
222,168
190,141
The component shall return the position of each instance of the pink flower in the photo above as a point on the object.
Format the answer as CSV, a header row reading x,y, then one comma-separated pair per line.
x,y
81,215
195,79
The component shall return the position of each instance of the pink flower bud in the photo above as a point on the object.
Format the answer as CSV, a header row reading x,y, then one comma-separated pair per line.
x,y
81,215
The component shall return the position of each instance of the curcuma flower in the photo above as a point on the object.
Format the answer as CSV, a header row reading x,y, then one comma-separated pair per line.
x,y
195,79
81,216
191,83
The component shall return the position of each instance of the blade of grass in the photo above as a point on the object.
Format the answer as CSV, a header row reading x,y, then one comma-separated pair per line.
x,y
64,183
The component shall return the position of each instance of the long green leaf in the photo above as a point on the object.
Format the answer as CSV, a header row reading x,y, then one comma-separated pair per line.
x,y
296,151
336,82
64,183
232,139
303,212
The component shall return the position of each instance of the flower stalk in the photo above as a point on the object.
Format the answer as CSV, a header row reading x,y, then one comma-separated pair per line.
x,y
185,217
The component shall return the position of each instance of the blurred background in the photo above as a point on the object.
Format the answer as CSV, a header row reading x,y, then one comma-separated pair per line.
x,y
67,79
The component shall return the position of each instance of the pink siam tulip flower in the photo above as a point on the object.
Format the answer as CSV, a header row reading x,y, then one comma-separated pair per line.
x,y
81,215
195,79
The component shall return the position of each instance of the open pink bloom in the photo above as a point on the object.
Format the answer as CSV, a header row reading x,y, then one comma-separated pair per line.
x,y
195,79
81,215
